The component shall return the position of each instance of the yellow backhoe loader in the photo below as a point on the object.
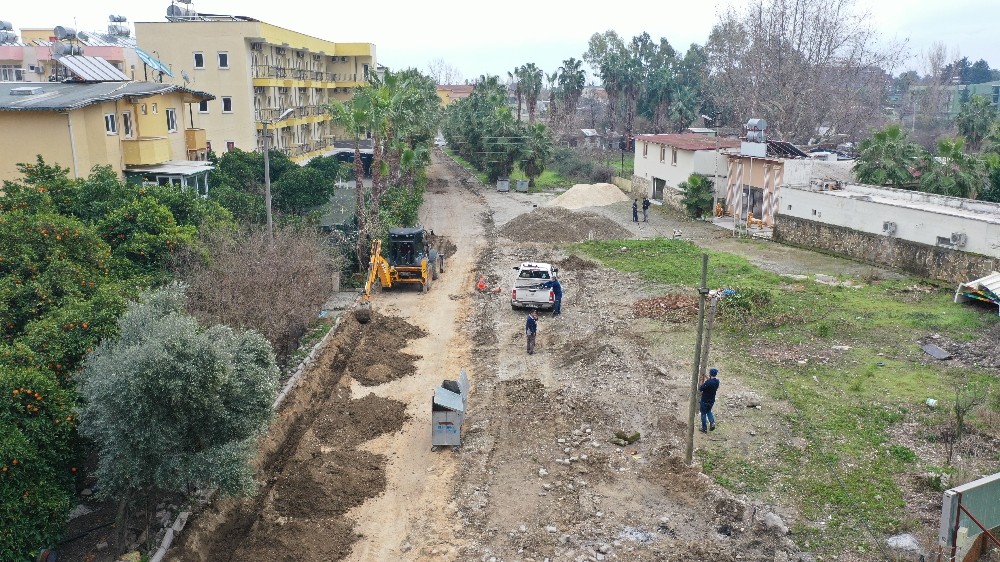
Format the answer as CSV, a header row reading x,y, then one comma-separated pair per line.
x,y
410,259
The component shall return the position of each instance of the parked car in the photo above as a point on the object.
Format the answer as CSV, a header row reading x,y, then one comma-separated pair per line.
x,y
529,286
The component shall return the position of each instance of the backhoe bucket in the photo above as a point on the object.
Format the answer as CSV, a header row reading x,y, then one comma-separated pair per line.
x,y
363,312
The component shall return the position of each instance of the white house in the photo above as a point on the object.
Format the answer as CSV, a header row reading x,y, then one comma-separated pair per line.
x,y
662,162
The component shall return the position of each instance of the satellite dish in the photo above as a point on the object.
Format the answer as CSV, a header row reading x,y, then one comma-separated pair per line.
x,y
184,75
63,32
82,36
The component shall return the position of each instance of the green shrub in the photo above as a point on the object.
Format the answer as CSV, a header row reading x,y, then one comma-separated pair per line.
x,y
36,461
171,406
699,197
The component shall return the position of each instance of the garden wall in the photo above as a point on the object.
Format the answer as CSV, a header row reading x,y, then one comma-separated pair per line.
x,y
920,259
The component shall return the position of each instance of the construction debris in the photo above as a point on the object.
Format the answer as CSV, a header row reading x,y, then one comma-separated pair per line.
x,y
675,308
984,289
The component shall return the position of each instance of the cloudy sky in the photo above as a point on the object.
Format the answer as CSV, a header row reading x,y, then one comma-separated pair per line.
x,y
478,41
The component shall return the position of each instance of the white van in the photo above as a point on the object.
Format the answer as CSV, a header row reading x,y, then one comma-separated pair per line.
x,y
529,291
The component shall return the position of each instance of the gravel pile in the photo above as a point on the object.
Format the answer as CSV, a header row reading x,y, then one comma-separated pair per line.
x,y
561,226
589,195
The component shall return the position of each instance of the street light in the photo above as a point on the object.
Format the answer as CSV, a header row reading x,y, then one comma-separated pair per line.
x,y
267,169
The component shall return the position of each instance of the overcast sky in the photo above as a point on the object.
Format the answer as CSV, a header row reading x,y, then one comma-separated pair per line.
x,y
476,41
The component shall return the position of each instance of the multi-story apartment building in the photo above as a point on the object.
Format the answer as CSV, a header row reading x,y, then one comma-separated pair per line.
x,y
31,58
138,128
257,71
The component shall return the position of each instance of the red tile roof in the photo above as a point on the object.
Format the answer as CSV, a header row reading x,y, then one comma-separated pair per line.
x,y
690,141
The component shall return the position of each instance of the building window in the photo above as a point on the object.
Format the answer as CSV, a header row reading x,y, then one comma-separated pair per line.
x,y
645,149
230,145
208,145
155,109
127,124
366,71
673,157
199,60
142,109
171,120
110,124
203,106
663,154
223,60
11,73
227,105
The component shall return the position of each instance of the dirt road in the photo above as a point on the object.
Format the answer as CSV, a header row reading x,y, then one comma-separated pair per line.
x,y
347,472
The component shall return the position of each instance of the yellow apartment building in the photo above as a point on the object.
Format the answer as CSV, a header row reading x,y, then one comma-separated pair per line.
x,y
140,129
257,71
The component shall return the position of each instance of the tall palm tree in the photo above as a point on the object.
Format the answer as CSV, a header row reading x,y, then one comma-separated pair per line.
x,y
515,80
532,88
552,80
352,119
572,80
958,175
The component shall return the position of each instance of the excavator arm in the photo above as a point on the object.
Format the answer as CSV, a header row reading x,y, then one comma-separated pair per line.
x,y
378,269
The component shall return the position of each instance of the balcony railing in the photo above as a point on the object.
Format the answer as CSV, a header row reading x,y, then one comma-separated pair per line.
x,y
144,151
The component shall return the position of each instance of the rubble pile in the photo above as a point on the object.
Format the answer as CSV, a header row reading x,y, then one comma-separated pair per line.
x,y
672,308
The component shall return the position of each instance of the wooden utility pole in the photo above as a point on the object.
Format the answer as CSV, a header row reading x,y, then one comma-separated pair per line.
x,y
693,402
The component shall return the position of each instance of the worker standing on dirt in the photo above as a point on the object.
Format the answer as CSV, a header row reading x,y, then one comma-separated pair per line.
x,y
531,329
556,295
708,388
635,210
645,209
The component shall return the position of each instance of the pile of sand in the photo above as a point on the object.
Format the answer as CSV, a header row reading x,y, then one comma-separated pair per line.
x,y
589,195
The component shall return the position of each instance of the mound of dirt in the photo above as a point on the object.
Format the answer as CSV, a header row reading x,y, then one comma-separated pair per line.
x,y
672,308
589,195
562,226
442,244
576,263
377,359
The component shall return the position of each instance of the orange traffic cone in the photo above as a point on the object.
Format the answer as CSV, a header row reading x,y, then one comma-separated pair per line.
x,y
481,285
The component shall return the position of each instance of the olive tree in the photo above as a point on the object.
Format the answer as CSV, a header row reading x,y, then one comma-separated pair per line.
x,y
171,406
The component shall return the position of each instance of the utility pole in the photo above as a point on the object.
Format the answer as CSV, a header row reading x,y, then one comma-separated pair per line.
x,y
693,401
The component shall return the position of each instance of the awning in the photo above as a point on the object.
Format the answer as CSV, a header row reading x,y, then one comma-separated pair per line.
x,y
152,62
173,168
986,289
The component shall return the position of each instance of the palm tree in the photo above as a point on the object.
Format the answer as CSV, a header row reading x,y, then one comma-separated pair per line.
x,y
551,80
975,120
886,158
351,117
515,80
572,80
536,152
958,174
532,80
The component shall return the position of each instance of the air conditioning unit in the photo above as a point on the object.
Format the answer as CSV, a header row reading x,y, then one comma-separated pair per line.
x,y
343,59
256,46
889,228
959,239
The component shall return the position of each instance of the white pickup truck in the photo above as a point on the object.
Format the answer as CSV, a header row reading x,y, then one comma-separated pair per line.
x,y
529,290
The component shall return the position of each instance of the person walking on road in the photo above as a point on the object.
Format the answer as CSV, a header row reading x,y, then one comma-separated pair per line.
x,y
708,388
531,329
645,209
635,210
556,294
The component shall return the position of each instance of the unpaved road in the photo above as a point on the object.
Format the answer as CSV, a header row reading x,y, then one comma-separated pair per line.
x,y
346,470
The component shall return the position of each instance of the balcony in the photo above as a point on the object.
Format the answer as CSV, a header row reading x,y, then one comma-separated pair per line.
x,y
195,139
144,151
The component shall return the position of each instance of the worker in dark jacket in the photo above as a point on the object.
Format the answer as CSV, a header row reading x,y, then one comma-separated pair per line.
x,y
635,210
708,388
556,294
645,209
531,329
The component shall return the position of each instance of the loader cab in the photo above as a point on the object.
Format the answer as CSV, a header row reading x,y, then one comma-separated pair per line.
x,y
406,246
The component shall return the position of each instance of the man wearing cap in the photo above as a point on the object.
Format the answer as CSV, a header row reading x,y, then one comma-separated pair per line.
x,y
708,389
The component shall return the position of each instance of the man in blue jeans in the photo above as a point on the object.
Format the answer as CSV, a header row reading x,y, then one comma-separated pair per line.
x,y
708,390
556,295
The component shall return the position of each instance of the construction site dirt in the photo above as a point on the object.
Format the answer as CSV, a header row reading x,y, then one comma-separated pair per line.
x,y
347,472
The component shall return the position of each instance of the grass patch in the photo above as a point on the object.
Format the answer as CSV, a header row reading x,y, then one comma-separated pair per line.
x,y
843,480
548,180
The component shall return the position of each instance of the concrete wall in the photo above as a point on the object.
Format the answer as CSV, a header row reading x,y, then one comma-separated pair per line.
x,y
920,259
29,133
799,172
922,222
